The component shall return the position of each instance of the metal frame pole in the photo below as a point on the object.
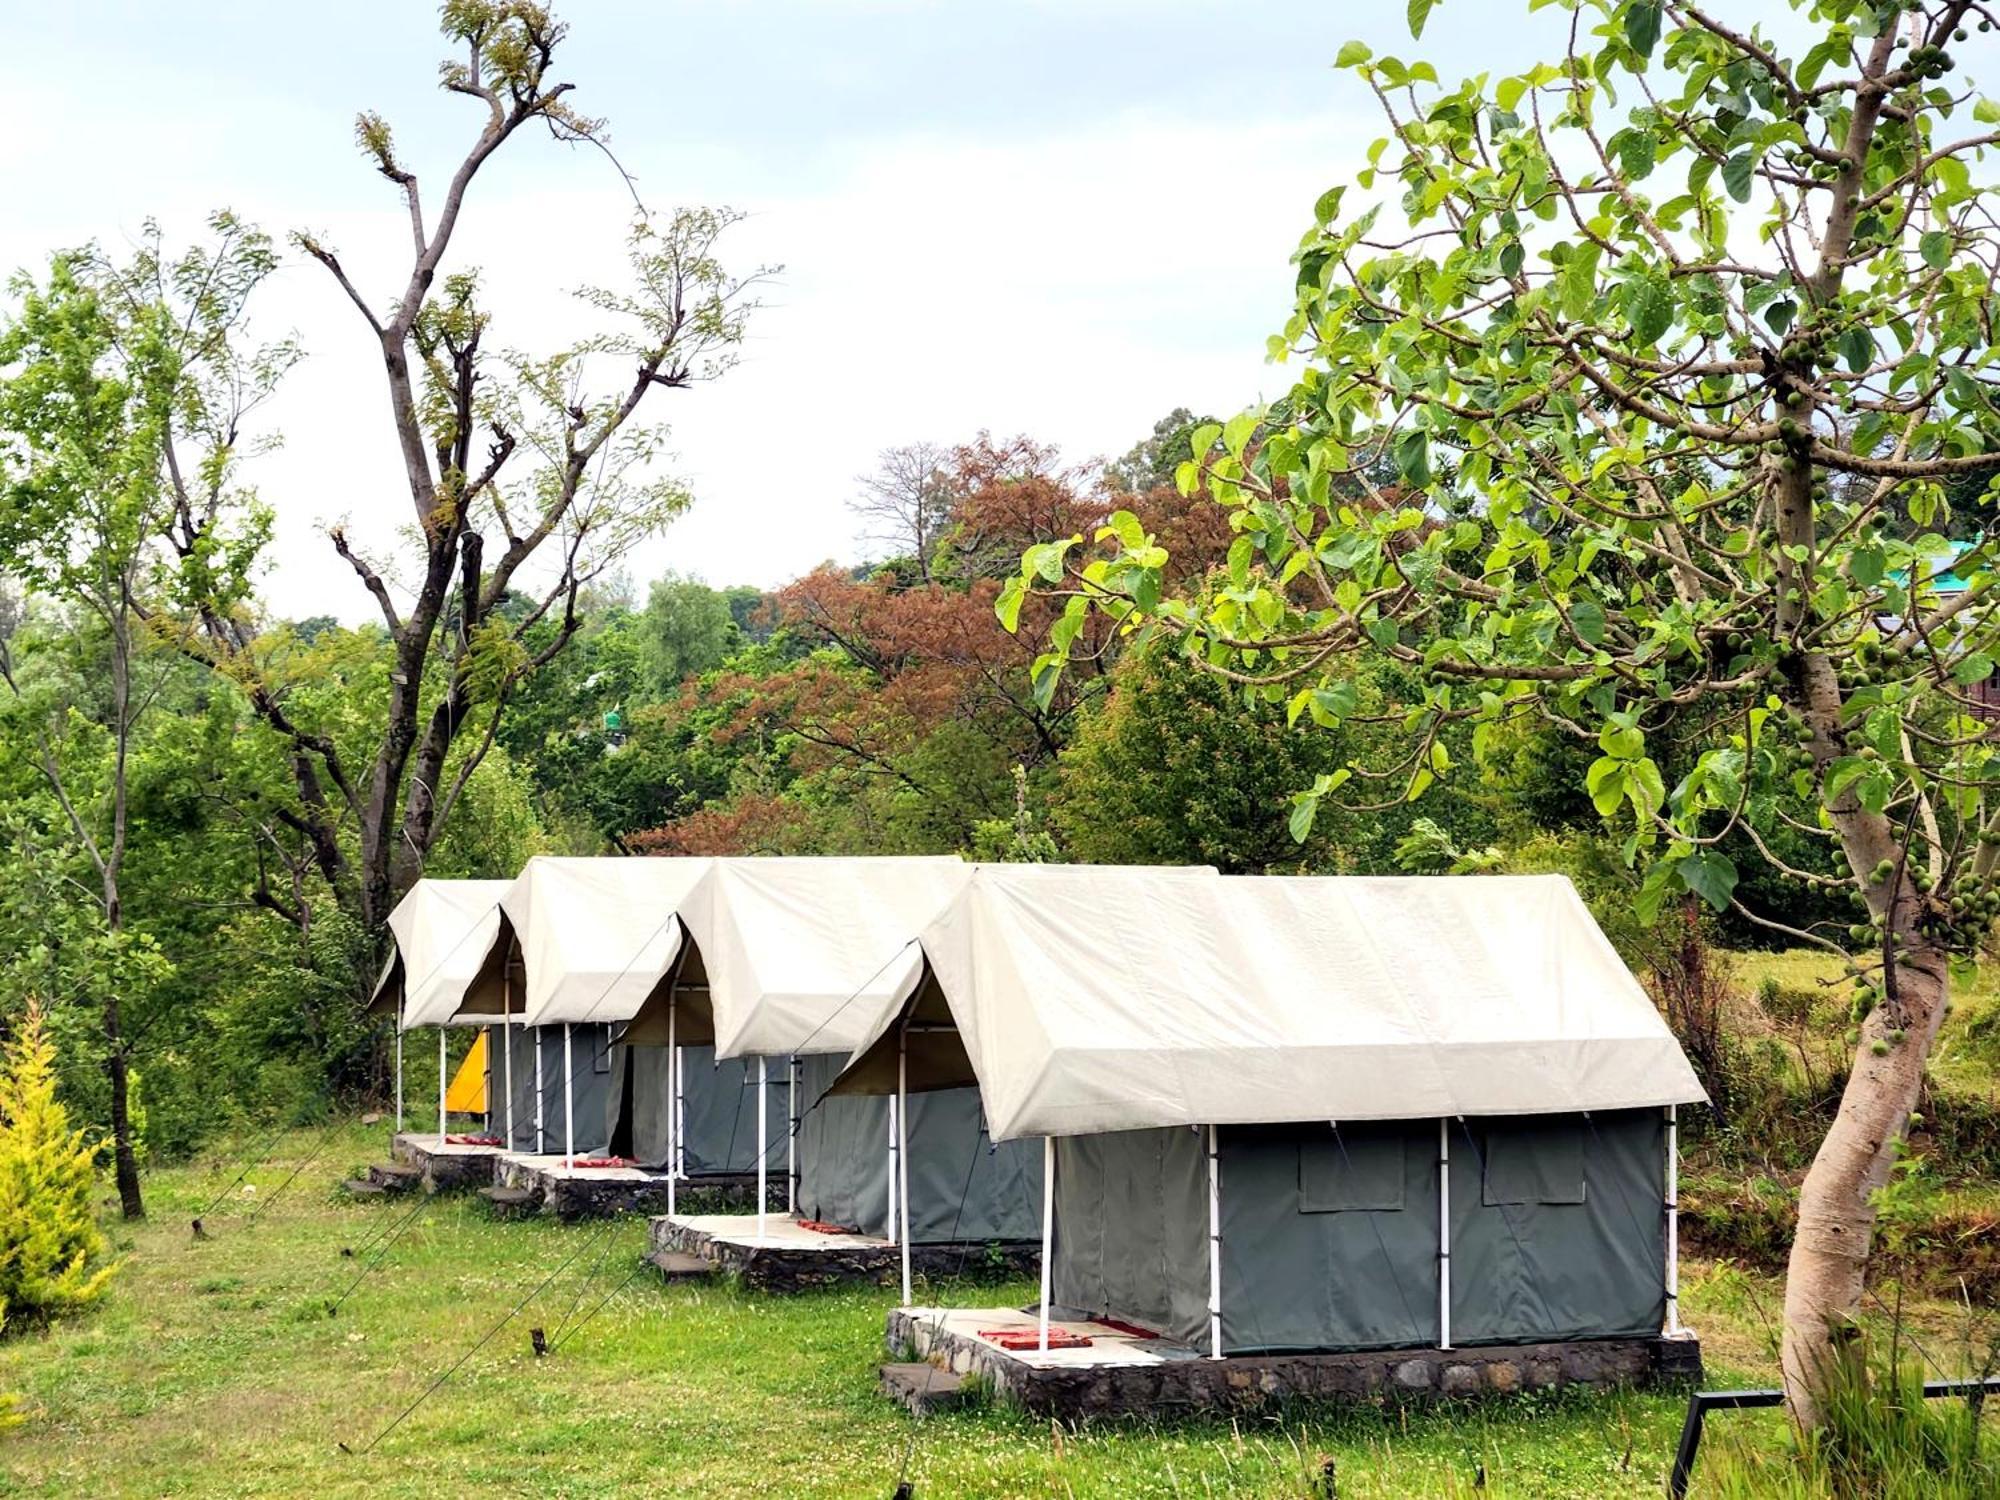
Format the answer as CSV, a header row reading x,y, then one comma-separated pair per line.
x,y
903,1146
1048,1227
443,1078
541,1112
487,1033
792,1135
763,1129
569,1107
399,1077
1444,1232
1214,1247
507,1071
1673,1221
673,1101
894,1237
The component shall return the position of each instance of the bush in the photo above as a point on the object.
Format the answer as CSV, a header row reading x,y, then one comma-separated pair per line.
x,y
51,1254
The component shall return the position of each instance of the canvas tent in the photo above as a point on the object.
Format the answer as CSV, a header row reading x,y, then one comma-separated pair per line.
x,y
1311,1114
579,947
439,931
788,960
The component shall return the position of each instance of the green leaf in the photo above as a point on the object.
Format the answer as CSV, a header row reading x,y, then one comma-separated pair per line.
x,y
1202,439
1642,26
1420,12
1327,209
1976,666
1710,876
1649,307
1588,618
1605,782
1987,111
1413,457
1780,315
1637,152
1857,347
1935,247
1350,54
1237,431
1736,174
1305,807
1008,605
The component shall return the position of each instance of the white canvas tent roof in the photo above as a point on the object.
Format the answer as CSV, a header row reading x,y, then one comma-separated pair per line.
x,y
1092,999
596,935
801,954
442,929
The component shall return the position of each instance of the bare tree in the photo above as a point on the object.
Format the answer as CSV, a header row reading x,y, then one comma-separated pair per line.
x,y
906,503
525,475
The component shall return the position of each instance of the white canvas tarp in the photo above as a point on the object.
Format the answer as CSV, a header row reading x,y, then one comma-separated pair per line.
x,y
1093,999
596,936
442,930
802,954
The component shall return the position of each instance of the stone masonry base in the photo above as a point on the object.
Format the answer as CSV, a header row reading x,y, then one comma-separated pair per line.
x,y
452,1169
1248,1381
780,1268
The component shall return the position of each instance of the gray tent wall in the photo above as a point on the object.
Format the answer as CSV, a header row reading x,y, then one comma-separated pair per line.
x,y
1330,1237
590,1062
963,1188
719,1107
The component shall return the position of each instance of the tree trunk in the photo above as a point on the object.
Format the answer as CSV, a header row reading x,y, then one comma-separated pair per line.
x,y
1824,1281
125,1159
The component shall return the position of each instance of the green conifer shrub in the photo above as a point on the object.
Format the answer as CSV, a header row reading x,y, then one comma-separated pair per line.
x,y
52,1257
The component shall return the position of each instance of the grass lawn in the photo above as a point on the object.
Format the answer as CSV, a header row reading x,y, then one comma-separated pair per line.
x,y
214,1368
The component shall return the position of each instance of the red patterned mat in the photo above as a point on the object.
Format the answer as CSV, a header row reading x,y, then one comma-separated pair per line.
x,y
818,1226
472,1140
1023,1340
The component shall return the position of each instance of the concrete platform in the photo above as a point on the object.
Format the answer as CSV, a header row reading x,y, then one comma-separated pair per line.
x,y
1124,1372
443,1167
791,1258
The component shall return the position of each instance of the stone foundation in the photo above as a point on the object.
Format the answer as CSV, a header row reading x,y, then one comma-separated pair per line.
x,y
789,1268
1177,1380
445,1168
599,1192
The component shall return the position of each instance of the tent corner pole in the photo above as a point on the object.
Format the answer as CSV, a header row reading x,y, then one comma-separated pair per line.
x,y
763,1130
893,1238
1214,1247
1673,1222
486,1033
673,1097
569,1113
507,1069
792,1135
1048,1228
444,1077
903,1146
541,1112
399,1076
1444,1232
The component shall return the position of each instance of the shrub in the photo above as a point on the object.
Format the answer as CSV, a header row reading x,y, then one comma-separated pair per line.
x,y
51,1254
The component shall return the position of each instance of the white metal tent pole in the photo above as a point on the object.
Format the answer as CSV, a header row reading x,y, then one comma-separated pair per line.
x,y
1673,1221
673,1103
507,1073
893,1218
569,1112
1048,1226
487,1064
792,1135
1214,1249
399,1078
1444,1233
541,1123
443,1077
763,1129
903,1146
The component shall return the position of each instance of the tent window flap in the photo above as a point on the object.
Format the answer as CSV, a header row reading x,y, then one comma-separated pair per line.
x,y
1533,1161
1353,1171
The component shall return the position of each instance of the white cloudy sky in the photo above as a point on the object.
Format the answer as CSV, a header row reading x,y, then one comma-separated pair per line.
x,y
1059,218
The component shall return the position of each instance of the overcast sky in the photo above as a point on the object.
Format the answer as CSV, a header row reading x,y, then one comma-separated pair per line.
x,y
1062,219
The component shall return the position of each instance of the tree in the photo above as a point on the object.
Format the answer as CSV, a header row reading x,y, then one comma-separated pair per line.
x,y
92,379
687,629
52,1258
1151,462
539,451
905,504
1677,350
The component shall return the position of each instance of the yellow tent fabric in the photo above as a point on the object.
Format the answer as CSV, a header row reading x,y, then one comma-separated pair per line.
x,y
467,1094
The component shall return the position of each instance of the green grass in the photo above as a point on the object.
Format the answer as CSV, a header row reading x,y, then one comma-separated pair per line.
x,y
213,1369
